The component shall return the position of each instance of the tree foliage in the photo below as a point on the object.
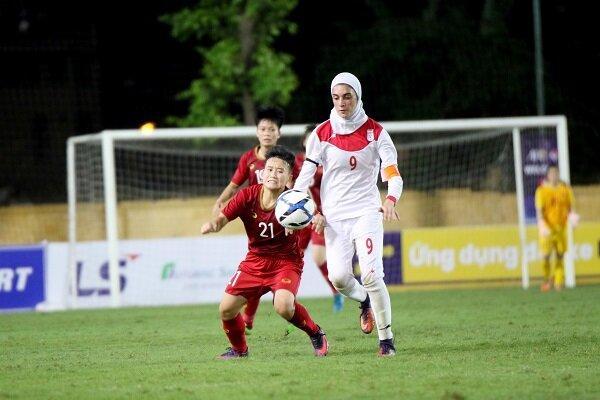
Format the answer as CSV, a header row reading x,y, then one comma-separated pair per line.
x,y
240,67
430,61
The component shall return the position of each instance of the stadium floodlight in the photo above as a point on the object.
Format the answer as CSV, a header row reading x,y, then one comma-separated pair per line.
x,y
113,172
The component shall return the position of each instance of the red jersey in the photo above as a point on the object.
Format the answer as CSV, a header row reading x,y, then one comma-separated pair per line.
x,y
315,184
266,237
250,168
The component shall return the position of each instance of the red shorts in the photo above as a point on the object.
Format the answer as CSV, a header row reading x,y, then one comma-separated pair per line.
x,y
309,235
274,274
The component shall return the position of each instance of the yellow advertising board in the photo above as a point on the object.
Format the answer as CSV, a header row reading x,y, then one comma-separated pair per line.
x,y
481,253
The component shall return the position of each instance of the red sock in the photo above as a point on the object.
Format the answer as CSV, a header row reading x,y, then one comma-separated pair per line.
x,y
250,311
235,329
325,273
303,321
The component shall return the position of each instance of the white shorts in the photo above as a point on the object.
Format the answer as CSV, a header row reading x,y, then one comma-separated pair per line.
x,y
364,235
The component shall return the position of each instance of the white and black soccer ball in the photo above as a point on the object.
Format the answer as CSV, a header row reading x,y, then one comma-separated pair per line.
x,y
294,209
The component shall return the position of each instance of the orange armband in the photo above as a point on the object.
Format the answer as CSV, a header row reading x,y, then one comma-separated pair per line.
x,y
389,172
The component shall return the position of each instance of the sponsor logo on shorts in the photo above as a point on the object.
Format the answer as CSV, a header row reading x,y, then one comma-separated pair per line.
x,y
286,280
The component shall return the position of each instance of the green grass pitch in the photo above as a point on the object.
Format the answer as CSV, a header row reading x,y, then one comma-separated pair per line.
x,y
452,344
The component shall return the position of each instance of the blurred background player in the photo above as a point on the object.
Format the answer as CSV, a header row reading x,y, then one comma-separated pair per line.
x,y
350,146
308,235
251,164
274,261
554,204
250,168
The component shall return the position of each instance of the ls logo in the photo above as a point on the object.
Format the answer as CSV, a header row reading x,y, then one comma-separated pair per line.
x,y
104,275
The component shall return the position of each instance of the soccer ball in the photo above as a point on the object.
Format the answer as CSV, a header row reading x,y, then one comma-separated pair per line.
x,y
294,209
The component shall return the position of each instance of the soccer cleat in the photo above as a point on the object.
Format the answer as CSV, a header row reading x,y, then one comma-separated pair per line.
x,y
386,348
231,353
338,302
319,342
367,319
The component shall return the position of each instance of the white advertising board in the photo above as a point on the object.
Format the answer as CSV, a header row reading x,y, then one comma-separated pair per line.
x,y
158,272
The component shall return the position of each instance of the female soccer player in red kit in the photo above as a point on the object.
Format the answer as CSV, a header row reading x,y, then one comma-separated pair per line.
x,y
251,164
273,262
250,168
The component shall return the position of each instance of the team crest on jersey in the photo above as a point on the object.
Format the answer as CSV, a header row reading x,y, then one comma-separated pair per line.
x,y
370,135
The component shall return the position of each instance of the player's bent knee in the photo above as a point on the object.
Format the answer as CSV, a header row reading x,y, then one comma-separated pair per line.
x,y
339,281
228,310
284,308
283,303
227,313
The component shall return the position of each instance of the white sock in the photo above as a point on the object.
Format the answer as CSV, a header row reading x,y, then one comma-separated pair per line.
x,y
353,290
382,308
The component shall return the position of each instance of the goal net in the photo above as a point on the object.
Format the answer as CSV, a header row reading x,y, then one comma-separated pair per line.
x,y
130,190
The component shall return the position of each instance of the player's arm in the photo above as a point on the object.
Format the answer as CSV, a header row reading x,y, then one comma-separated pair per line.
x,y
311,162
573,216
239,177
229,191
391,175
543,228
214,225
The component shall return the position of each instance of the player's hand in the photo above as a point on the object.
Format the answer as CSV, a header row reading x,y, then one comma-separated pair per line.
x,y
318,223
208,227
543,229
573,219
389,211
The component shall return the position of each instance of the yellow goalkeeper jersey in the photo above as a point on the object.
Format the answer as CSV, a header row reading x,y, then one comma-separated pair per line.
x,y
555,203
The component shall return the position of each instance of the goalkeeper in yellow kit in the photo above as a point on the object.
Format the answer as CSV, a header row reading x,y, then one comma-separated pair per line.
x,y
554,204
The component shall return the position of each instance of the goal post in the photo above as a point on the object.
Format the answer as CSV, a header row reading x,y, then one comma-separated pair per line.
x,y
117,166
517,125
92,180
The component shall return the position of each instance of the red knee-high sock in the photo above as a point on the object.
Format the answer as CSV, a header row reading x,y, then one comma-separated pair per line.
x,y
303,321
235,329
250,311
325,273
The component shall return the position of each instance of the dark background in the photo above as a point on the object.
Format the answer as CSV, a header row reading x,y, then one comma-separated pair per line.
x,y
70,68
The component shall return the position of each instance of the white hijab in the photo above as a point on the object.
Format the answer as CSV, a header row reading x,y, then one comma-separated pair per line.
x,y
343,126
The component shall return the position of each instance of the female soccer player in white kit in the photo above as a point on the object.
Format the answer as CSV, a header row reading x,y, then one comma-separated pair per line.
x,y
350,146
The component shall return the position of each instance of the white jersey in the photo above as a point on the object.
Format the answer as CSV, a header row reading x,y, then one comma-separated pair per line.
x,y
351,165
